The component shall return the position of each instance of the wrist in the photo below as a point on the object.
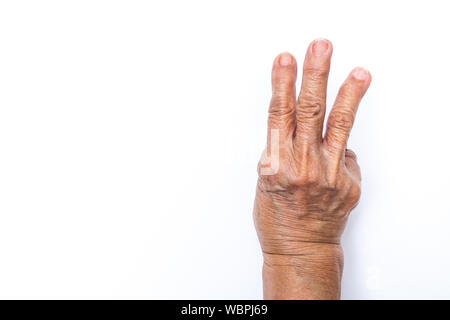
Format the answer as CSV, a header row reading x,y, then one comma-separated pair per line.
x,y
314,273
285,225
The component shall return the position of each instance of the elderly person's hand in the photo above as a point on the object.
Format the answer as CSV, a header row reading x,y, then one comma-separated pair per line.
x,y
308,182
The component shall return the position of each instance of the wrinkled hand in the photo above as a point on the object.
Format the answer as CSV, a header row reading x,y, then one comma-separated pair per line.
x,y
308,183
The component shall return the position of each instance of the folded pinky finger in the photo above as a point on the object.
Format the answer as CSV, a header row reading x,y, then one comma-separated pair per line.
x,y
351,164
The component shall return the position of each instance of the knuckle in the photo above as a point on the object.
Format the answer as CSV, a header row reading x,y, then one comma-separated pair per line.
x,y
306,179
309,109
302,182
350,153
272,180
342,119
354,193
308,172
280,106
273,183
268,182
310,105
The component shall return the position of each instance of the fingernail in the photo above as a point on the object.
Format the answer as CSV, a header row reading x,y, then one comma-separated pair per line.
x,y
320,47
360,73
285,59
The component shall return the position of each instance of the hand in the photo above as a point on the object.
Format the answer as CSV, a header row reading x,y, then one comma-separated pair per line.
x,y
308,183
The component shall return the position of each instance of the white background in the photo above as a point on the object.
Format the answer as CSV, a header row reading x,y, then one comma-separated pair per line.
x,y
130,133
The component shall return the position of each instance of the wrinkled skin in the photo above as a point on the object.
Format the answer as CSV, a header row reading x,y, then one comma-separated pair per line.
x,y
302,205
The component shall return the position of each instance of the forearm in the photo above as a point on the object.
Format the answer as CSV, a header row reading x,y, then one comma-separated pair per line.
x,y
314,274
